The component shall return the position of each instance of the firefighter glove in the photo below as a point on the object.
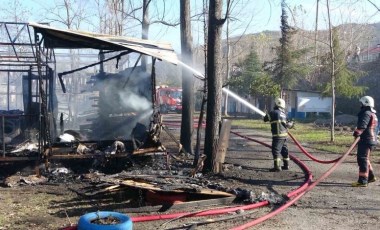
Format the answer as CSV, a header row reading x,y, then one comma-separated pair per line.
x,y
290,124
266,118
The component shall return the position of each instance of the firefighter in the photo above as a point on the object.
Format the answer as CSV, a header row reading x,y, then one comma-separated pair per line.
x,y
367,130
279,129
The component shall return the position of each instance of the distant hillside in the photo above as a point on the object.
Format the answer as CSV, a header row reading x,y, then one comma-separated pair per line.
x,y
351,35
263,43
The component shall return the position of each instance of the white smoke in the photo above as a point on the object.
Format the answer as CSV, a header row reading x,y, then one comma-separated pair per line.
x,y
134,101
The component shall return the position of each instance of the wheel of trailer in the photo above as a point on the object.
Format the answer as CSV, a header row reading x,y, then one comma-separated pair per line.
x,y
105,220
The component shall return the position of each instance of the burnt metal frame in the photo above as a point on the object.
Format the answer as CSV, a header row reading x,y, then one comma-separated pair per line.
x,y
22,61
60,75
38,51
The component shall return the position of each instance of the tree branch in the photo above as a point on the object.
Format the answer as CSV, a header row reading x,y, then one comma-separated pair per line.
x,y
222,21
165,23
374,5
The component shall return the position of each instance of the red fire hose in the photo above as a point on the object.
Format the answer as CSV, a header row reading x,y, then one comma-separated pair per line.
x,y
231,209
310,187
308,174
298,193
309,155
308,178
296,142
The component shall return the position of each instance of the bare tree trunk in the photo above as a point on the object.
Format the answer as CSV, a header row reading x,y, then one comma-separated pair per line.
x,y
214,86
145,30
332,56
187,78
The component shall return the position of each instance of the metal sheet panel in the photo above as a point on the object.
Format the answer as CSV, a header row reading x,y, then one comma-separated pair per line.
x,y
70,39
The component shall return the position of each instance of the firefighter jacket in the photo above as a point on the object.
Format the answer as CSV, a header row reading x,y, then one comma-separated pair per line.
x,y
278,122
367,126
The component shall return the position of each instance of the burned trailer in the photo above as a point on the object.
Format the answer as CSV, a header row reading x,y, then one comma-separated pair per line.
x,y
122,119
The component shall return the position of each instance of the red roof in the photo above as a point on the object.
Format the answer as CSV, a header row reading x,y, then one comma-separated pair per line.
x,y
372,50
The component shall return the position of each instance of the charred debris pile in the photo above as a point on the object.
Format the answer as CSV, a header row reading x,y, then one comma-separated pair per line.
x,y
159,179
163,179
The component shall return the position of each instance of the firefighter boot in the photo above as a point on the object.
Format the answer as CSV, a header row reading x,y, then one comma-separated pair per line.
x,y
362,182
371,177
286,164
359,184
276,167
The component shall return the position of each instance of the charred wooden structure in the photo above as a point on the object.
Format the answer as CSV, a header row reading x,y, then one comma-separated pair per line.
x,y
125,120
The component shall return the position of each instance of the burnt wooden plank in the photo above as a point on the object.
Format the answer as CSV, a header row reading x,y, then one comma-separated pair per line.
x,y
155,187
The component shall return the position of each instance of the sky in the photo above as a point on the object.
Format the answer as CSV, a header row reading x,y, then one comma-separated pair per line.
x,y
259,15
247,16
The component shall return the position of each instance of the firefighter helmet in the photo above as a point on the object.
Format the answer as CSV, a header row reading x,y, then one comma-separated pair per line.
x,y
280,103
367,101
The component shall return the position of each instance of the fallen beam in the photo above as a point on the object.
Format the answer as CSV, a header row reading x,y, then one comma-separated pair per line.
x,y
202,191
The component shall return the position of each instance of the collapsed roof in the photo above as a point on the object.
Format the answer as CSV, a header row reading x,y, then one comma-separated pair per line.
x,y
71,39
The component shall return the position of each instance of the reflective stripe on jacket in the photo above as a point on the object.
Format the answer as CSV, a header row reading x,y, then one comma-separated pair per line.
x,y
277,119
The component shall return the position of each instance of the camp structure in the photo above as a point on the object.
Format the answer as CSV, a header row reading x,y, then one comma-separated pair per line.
x,y
75,94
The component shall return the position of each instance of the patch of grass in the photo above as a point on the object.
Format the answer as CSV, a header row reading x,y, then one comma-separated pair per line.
x,y
307,133
250,123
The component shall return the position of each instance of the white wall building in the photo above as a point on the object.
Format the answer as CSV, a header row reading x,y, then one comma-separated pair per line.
x,y
301,103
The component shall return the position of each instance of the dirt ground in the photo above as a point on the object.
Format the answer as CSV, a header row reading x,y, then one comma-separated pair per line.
x,y
333,204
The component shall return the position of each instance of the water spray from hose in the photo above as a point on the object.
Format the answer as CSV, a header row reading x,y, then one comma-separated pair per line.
x,y
225,90
241,100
